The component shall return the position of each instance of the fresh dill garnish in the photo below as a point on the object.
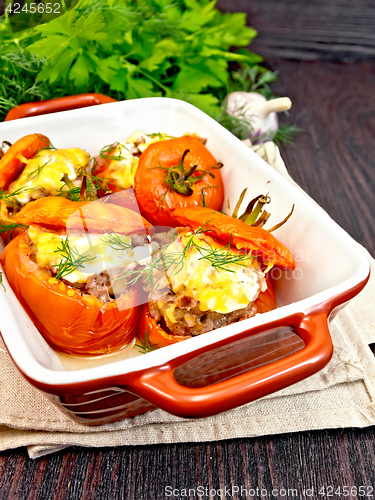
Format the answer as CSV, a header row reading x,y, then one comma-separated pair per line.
x,y
240,125
145,345
10,198
11,226
69,190
1,281
114,240
106,152
220,258
286,134
95,184
71,259
161,136
35,173
47,142
172,262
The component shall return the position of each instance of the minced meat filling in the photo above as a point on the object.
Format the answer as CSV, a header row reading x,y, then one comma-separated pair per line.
x,y
190,320
195,297
106,286
99,286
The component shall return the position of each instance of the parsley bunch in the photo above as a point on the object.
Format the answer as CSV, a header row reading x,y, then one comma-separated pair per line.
x,y
130,49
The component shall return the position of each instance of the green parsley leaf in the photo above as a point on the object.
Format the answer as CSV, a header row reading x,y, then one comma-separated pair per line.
x,y
134,48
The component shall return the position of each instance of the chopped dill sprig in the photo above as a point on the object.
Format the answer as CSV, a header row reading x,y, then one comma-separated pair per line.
x,y
11,226
161,136
106,151
95,184
1,281
69,190
114,240
35,173
48,143
286,133
71,259
10,198
220,258
172,262
145,345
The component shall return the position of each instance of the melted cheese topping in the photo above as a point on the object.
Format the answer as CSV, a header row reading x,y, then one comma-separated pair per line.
x,y
43,174
123,171
99,253
231,284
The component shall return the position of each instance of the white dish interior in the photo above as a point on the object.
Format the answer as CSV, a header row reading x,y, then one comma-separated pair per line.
x,y
328,261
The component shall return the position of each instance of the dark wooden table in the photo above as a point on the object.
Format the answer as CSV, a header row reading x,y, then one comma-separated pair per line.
x,y
323,53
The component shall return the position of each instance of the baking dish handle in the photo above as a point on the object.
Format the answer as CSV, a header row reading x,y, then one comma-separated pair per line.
x,y
159,386
58,104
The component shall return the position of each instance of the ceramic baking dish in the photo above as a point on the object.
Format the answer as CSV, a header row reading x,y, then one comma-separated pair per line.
x,y
224,368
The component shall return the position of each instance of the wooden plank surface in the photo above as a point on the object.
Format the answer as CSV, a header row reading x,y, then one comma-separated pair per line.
x,y
287,466
310,29
333,160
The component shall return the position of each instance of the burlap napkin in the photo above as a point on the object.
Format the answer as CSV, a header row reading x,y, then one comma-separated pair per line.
x,y
340,395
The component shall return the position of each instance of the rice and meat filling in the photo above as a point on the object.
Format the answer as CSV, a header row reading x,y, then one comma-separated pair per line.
x,y
199,285
190,320
97,264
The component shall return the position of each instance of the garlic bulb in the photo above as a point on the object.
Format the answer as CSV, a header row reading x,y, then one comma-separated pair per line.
x,y
260,113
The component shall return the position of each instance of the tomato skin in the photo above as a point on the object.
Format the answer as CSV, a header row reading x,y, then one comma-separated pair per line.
x,y
50,211
150,188
101,170
121,197
156,335
95,216
228,229
9,235
77,324
266,301
11,166
147,325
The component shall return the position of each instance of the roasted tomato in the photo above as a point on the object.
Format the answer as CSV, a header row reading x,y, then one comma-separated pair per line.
x,y
199,284
78,308
12,163
174,174
32,169
71,321
236,232
155,335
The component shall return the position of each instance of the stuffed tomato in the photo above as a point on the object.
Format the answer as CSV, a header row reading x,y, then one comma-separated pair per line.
x,y
70,283
117,163
177,173
31,169
198,283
